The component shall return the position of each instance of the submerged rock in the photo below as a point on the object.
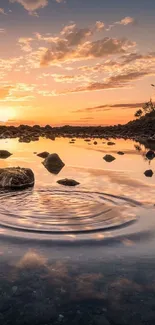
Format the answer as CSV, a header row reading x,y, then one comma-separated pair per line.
x,y
148,173
68,182
16,178
121,153
4,154
150,155
111,143
53,163
95,142
43,154
109,158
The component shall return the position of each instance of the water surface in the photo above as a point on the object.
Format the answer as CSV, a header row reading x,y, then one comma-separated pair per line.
x,y
83,254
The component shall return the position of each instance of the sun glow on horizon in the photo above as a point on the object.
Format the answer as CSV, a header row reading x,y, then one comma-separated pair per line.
x,y
7,114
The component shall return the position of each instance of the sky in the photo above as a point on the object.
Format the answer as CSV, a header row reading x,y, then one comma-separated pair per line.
x,y
76,62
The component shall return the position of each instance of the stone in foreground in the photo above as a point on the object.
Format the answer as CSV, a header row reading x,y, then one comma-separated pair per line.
x,y
16,178
4,154
68,182
109,158
43,154
53,163
148,173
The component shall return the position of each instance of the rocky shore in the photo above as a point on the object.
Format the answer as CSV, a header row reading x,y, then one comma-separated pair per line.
x,y
142,130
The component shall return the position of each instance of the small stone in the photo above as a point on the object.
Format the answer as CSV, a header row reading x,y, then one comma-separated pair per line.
x,y
95,142
109,158
53,163
150,155
121,153
110,143
14,289
4,154
148,173
43,154
68,182
60,318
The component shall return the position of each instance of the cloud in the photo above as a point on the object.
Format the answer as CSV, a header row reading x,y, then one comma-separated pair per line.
x,y
65,78
113,82
107,107
125,21
2,30
99,25
25,43
75,48
2,11
5,91
32,5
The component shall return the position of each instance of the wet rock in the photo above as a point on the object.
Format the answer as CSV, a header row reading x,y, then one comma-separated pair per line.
x,y
101,320
68,182
25,139
43,154
121,153
87,140
150,155
95,142
109,158
110,143
53,163
4,154
148,173
16,178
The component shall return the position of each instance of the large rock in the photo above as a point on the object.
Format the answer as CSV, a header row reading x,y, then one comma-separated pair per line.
x,y
43,154
53,163
109,158
68,182
4,154
16,178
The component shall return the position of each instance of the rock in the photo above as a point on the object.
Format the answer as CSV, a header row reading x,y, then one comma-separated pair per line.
x,y
16,178
95,142
68,182
53,163
109,158
14,289
4,154
43,154
111,143
100,320
150,155
121,153
148,173
87,140
25,139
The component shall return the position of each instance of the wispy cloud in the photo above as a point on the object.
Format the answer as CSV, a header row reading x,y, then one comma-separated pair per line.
x,y
108,107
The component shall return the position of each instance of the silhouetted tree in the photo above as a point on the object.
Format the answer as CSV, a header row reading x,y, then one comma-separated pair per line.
x,y
139,113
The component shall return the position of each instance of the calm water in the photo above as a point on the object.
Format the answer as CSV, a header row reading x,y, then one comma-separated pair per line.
x,y
84,254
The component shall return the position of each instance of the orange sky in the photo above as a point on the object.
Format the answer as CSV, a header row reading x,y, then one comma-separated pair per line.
x,y
75,64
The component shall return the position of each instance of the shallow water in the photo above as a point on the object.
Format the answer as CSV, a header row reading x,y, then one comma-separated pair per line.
x,y
83,254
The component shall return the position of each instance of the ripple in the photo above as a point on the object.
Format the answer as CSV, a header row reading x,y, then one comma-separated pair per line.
x,y
48,211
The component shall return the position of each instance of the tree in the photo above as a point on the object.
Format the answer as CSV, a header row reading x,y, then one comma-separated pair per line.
x,y
139,113
146,108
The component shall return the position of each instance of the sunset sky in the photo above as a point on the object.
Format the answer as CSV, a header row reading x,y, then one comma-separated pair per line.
x,y
78,62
